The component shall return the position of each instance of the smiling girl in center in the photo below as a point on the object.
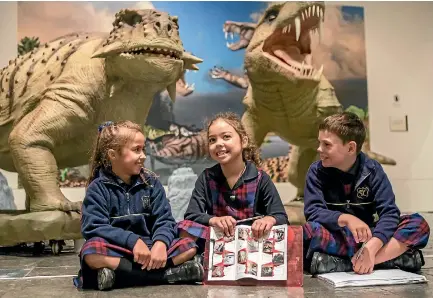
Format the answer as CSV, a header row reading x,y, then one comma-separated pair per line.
x,y
233,189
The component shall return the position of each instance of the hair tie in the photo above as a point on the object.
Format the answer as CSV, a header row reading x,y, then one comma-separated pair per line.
x,y
105,124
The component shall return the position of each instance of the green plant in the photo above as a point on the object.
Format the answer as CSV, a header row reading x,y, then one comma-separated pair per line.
x,y
63,174
363,114
27,44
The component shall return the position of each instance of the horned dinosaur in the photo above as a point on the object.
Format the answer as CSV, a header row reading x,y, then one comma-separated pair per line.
x,y
53,98
284,89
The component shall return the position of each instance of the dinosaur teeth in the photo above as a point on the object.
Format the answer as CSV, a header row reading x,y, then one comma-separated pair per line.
x,y
298,27
190,87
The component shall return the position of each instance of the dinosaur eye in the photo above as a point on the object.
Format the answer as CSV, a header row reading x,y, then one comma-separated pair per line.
x,y
131,17
271,15
136,19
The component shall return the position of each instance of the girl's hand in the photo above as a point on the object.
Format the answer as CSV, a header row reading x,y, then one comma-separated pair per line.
x,y
158,256
224,223
262,226
141,253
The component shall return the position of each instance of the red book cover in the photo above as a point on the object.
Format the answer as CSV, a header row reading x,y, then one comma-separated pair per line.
x,y
275,260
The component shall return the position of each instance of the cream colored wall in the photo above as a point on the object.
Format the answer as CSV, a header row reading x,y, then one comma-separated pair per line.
x,y
8,50
399,43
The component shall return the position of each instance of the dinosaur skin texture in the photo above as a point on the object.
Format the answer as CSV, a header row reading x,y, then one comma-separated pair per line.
x,y
285,94
53,99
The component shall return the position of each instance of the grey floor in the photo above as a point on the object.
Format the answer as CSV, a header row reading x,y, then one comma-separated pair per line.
x,y
51,276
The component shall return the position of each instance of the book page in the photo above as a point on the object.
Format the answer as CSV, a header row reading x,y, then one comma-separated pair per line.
x,y
273,255
247,253
222,262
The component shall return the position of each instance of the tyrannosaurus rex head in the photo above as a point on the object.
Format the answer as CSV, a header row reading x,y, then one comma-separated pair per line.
x,y
145,45
281,44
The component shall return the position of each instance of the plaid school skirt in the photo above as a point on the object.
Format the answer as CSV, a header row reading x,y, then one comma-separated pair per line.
x,y
412,230
196,230
87,277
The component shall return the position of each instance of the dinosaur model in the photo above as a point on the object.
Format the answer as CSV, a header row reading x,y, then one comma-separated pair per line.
x,y
53,98
284,90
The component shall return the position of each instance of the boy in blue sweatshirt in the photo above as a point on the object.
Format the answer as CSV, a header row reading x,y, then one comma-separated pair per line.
x,y
353,222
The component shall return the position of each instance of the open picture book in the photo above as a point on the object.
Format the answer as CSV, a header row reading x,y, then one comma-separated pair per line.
x,y
241,256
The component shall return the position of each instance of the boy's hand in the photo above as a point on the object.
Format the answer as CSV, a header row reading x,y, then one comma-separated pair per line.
x,y
262,226
360,230
141,253
158,256
365,263
224,223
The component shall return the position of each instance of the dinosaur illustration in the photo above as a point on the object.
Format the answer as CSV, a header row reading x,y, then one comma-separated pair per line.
x,y
244,30
53,98
218,72
182,87
179,146
285,91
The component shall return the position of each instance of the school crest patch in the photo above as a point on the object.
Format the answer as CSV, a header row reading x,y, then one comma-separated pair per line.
x,y
145,200
362,192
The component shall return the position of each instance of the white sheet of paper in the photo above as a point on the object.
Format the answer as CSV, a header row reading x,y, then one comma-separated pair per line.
x,y
378,277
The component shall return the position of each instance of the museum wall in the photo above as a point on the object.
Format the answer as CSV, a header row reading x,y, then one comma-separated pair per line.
x,y
399,43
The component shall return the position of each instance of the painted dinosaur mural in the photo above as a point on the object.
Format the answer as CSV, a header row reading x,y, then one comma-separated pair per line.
x,y
284,90
52,97
179,146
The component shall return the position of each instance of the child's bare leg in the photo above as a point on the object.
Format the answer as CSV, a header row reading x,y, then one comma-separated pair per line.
x,y
184,234
391,250
96,261
185,256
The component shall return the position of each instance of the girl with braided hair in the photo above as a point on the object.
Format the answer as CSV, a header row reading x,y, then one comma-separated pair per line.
x,y
126,219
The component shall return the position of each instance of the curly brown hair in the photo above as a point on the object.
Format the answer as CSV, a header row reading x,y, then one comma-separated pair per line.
x,y
250,152
111,136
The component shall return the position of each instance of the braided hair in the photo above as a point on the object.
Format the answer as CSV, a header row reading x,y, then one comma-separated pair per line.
x,y
111,135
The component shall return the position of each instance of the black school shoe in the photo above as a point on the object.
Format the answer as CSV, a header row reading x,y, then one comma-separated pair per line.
x,y
324,263
190,271
106,278
411,260
199,258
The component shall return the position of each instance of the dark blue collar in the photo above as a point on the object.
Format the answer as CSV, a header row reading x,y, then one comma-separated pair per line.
x,y
358,172
251,172
107,175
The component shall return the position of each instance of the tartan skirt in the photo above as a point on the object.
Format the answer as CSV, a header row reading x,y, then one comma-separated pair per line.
x,y
413,230
196,230
87,277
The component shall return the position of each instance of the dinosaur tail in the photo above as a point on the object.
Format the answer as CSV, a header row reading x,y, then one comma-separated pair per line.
x,y
380,158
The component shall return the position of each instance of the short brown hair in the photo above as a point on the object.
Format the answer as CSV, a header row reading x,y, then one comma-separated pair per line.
x,y
251,152
347,126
